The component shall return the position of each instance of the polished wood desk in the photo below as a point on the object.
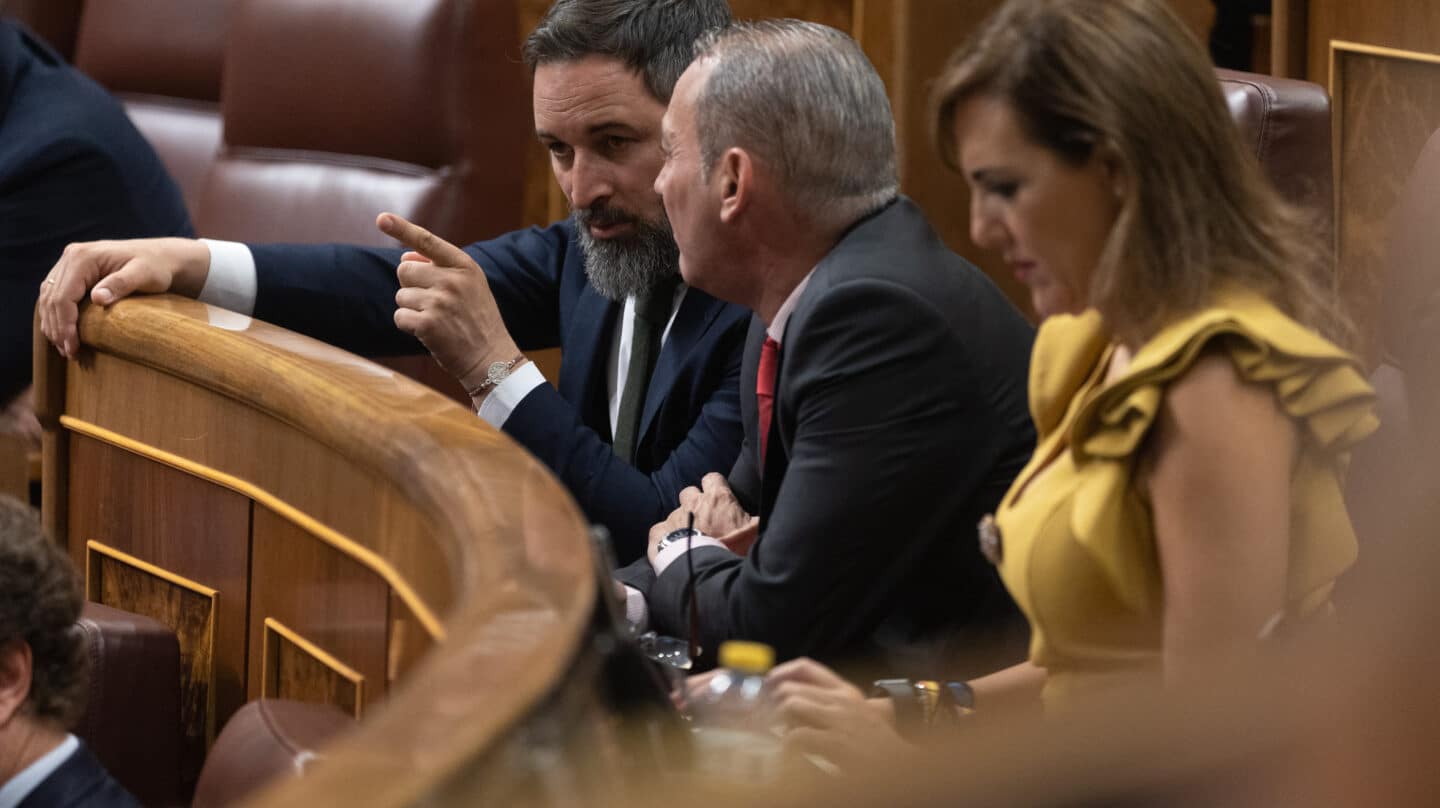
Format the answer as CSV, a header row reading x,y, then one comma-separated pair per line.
x,y
317,527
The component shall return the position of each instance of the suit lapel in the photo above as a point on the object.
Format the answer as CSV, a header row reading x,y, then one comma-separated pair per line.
x,y
697,311
586,355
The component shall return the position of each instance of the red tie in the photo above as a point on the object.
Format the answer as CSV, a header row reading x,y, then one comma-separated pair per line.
x,y
765,390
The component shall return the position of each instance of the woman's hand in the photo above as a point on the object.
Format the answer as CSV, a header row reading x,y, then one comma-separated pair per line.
x,y
822,714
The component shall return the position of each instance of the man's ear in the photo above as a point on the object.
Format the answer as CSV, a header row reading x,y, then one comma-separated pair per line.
x,y
735,178
15,672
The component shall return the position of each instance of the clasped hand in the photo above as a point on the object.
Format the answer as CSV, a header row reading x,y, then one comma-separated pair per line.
x,y
717,513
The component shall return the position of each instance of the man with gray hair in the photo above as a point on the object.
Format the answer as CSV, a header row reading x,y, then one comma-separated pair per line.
x,y
883,384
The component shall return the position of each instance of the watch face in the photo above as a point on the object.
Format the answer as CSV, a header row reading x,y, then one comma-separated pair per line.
x,y
498,372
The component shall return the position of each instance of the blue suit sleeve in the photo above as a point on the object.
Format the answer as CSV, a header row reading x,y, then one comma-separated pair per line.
x,y
345,294
70,191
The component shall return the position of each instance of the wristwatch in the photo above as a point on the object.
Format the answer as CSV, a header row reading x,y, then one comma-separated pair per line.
x,y
496,373
673,536
921,705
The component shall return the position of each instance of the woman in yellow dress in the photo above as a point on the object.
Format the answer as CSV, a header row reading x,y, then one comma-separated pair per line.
x,y
1193,411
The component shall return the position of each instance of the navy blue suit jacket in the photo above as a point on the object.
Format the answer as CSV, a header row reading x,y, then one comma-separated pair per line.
x,y
72,168
80,782
345,295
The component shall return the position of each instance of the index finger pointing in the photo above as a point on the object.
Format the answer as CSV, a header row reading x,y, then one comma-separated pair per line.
x,y
422,241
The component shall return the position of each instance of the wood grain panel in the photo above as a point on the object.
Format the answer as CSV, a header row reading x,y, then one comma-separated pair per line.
x,y
294,668
928,34
196,396
224,435
1386,105
834,13
329,599
186,527
1406,24
540,187
189,608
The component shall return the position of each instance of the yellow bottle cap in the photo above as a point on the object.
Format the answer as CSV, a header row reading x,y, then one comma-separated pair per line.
x,y
749,657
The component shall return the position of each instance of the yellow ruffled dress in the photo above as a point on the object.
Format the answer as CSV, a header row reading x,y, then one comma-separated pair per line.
x,y
1077,547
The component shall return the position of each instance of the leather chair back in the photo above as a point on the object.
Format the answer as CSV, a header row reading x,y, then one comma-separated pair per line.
x,y
55,21
132,711
163,59
1287,124
337,109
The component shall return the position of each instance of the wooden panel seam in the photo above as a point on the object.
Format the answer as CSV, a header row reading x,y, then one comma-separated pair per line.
x,y
360,553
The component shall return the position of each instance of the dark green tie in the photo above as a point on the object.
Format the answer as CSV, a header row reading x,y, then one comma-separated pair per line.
x,y
652,313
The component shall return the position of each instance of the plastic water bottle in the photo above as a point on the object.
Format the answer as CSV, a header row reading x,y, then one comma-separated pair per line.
x,y
734,742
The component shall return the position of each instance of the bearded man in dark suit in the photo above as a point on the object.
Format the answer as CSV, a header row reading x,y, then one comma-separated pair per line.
x,y
647,398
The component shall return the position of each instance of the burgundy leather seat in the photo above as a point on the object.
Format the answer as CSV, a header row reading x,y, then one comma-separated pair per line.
x,y
132,713
163,59
55,21
266,739
1287,123
337,109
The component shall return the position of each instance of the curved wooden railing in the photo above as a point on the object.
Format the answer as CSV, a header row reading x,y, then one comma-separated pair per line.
x,y
318,527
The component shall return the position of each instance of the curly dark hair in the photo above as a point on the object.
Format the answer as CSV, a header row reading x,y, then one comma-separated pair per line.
x,y
40,601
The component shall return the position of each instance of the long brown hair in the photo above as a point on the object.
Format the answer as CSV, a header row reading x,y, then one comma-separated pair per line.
x,y
1127,79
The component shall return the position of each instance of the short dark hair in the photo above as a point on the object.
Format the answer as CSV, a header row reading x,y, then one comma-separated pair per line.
x,y
655,38
39,603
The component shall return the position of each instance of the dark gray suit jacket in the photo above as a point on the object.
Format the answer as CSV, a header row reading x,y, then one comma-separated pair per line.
x,y
900,419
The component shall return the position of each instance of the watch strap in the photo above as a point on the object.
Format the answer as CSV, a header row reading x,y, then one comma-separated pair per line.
x,y
678,534
909,710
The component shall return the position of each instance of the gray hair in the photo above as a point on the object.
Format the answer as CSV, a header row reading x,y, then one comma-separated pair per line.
x,y
805,100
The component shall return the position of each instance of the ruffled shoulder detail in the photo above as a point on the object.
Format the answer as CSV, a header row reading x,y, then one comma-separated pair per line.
x,y
1315,382
1066,350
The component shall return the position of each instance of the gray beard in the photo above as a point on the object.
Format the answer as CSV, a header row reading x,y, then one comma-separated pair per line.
x,y
621,267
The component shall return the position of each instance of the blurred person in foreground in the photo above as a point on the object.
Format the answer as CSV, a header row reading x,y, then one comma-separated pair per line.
x,y
647,398
883,381
1194,411
42,674
72,168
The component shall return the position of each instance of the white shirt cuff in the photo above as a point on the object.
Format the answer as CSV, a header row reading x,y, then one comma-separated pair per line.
x,y
637,611
673,551
496,408
231,283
